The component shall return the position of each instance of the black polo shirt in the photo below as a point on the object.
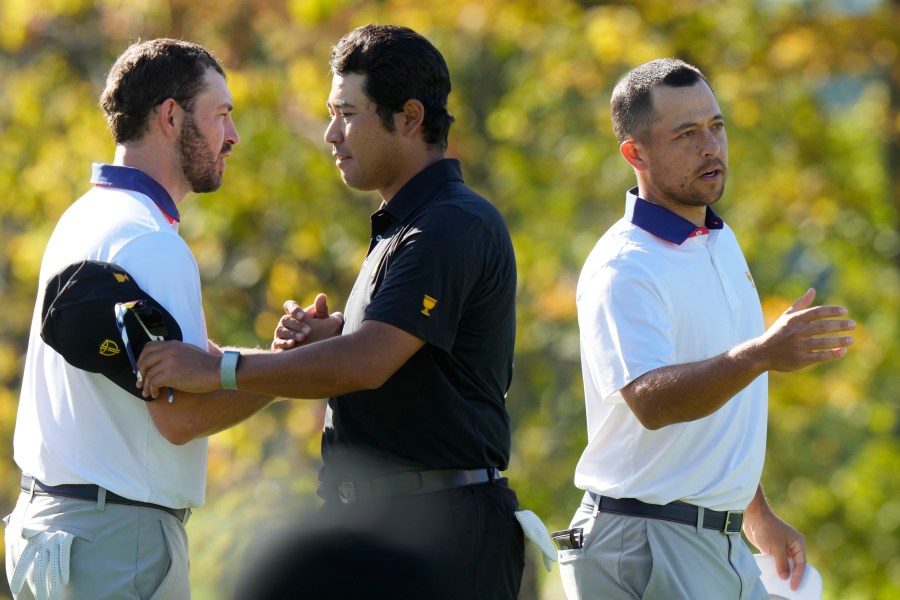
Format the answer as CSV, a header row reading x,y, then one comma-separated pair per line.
x,y
441,267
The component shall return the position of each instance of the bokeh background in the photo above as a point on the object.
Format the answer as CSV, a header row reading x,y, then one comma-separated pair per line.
x,y
810,90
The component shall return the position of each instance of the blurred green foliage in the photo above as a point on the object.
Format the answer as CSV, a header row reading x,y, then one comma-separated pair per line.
x,y
810,90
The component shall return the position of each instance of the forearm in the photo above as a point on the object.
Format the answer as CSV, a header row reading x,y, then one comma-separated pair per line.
x,y
328,368
191,416
362,360
691,391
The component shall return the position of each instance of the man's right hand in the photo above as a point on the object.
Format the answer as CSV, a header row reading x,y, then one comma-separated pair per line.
x,y
804,336
303,326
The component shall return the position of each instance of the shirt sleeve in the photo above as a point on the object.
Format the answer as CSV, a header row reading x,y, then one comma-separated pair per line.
x,y
626,328
164,267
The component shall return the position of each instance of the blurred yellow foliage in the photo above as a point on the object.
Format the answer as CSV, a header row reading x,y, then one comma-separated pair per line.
x,y
813,123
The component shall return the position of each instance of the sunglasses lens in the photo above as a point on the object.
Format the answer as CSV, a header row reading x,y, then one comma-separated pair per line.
x,y
151,318
120,321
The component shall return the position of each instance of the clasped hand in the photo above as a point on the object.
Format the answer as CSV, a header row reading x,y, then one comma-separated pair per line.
x,y
306,325
195,370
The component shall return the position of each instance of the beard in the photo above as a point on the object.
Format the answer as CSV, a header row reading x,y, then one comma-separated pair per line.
x,y
690,193
692,197
198,162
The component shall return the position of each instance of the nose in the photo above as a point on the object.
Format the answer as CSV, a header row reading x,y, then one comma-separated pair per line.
x,y
333,133
231,134
712,144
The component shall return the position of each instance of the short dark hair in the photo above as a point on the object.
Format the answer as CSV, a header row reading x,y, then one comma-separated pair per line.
x,y
631,104
147,74
399,65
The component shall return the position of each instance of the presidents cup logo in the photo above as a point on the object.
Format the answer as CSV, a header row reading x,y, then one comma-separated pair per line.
x,y
120,277
109,348
427,304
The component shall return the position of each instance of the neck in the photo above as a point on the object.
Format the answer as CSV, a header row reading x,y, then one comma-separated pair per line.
x,y
147,158
412,167
696,214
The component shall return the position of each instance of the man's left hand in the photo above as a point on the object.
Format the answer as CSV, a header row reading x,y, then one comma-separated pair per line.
x,y
776,538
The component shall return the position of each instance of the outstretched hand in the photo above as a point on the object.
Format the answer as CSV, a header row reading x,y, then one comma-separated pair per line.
x,y
804,336
303,326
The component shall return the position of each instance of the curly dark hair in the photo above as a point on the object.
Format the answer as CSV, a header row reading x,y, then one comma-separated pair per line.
x,y
147,74
399,65
631,104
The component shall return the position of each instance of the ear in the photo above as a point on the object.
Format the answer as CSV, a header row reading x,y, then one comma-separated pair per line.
x,y
168,117
634,154
410,120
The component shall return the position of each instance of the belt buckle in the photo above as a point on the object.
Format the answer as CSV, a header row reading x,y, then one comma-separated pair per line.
x,y
728,521
347,492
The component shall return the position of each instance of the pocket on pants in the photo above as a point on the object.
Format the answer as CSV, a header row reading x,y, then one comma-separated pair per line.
x,y
176,583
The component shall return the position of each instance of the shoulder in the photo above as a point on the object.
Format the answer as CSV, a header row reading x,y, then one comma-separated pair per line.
x,y
624,253
456,212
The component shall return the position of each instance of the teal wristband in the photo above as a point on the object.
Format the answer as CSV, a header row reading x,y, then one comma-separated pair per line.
x,y
228,369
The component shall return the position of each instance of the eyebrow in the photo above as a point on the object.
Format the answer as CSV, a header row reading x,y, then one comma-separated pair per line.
x,y
689,124
340,104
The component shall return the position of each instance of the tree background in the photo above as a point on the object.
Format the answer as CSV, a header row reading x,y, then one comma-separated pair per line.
x,y
810,90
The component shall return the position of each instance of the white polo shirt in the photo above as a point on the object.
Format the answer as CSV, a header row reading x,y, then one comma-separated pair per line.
x,y
658,291
78,427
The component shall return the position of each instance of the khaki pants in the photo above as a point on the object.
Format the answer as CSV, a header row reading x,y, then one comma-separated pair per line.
x,y
119,552
625,557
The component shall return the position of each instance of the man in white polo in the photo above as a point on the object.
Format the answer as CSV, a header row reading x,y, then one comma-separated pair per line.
x,y
109,480
674,359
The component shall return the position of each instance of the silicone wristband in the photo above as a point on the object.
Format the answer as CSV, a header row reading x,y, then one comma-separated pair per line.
x,y
228,369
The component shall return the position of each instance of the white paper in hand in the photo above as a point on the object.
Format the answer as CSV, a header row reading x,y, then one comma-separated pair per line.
x,y
810,587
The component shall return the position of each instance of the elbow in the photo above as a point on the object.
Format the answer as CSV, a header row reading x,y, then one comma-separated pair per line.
x,y
175,432
650,422
369,381
178,436
647,413
369,376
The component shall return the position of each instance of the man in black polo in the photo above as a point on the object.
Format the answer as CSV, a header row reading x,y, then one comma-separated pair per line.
x,y
416,430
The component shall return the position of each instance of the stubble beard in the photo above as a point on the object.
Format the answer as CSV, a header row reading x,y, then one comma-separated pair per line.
x,y
198,163
689,197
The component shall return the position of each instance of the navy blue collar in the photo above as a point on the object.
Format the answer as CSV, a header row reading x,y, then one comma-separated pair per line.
x,y
665,224
128,178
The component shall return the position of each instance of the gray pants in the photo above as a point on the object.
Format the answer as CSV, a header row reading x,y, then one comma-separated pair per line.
x,y
625,557
120,552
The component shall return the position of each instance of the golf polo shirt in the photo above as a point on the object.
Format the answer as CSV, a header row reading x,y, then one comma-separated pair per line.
x,y
77,427
658,291
441,267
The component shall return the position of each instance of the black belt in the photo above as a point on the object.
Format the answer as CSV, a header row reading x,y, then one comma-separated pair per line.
x,y
412,482
86,491
728,522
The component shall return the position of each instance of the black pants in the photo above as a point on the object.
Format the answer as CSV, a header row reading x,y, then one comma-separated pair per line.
x,y
459,544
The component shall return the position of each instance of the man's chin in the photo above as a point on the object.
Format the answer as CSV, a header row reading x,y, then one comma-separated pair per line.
x,y
206,186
